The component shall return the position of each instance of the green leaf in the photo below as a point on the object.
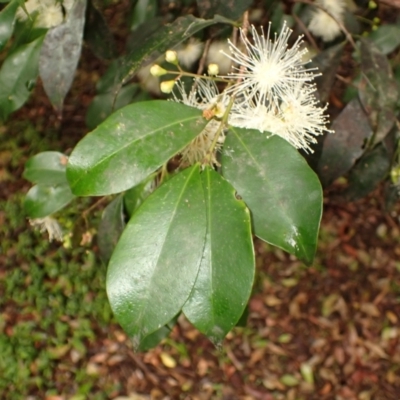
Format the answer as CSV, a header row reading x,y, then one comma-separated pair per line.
x,y
282,192
386,38
42,201
226,274
232,9
17,77
378,91
60,55
327,63
155,338
168,36
134,197
342,148
131,144
144,11
7,21
110,228
46,168
97,34
156,261
105,104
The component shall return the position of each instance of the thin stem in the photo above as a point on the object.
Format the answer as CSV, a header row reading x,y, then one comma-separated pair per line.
x,y
306,32
183,73
340,24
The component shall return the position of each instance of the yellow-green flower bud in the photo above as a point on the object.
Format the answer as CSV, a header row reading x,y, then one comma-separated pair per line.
x,y
167,86
171,57
213,69
372,5
156,70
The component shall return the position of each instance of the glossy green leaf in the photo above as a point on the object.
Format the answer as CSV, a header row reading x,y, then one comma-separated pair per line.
x,y
17,77
342,148
105,104
232,9
7,21
378,91
282,192
166,37
46,168
60,55
386,38
327,63
98,35
131,144
111,227
42,201
155,264
226,274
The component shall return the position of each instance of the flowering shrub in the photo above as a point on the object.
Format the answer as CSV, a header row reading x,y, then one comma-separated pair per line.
x,y
193,179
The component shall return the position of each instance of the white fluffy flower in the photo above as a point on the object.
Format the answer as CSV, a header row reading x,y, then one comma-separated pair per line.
x,y
322,24
49,13
216,55
50,16
271,68
205,97
190,52
49,225
297,119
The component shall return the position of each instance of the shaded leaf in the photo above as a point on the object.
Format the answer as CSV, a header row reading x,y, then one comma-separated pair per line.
x,y
232,9
131,144
327,63
60,55
282,192
17,77
155,338
105,104
167,36
143,12
46,168
226,274
342,148
386,38
110,228
7,21
42,201
378,90
135,196
98,35
370,169
392,195
156,261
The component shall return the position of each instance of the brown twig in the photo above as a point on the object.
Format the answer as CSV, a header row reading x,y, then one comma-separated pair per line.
x,y
306,32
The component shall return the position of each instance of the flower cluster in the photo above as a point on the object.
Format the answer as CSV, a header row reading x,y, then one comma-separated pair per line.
x,y
274,90
204,96
270,89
